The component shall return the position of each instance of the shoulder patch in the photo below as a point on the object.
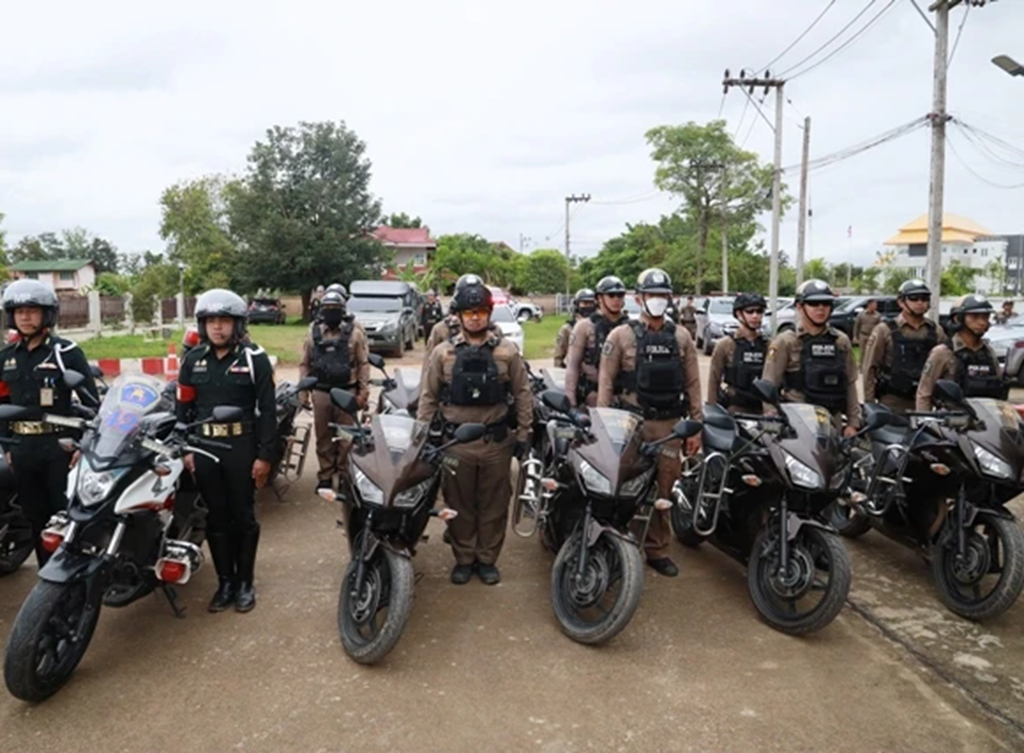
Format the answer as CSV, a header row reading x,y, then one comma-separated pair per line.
x,y
608,348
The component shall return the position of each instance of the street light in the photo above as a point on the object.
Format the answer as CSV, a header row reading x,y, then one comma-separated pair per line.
x,y
1009,65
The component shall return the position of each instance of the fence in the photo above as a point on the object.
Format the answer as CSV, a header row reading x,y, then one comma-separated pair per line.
x,y
169,308
112,309
73,311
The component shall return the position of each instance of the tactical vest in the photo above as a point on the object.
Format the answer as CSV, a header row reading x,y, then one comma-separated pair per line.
x,y
908,357
978,374
822,374
592,353
475,377
747,365
331,362
657,380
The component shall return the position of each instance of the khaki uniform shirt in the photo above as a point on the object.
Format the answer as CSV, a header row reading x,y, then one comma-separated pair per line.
x,y
878,354
784,356
441,332
583,337
511,369
562,345
863,326
358,355
619,354
721,359
942,364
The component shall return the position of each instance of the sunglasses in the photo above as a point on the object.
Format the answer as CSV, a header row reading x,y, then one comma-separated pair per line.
x,y
919,298
753,311
477,313
818,304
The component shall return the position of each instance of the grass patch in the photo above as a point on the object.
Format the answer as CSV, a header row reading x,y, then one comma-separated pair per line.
x,y
539,337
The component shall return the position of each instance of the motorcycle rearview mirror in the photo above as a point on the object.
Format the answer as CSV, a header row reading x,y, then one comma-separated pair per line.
x,y
469,433
12,412
948,391
879,416
345,400
96,371
768,392
68,444
376,360
74,379
306,383
556,400
686,428
227,414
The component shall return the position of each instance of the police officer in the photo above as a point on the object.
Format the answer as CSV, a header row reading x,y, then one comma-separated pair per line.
x,y
650,367
968,359
33,369
1007,312
225,370
451,325
896,352
336,353
814,363
469,379
588,338
688,317
865,324
314,303
739,358
431,315
584,304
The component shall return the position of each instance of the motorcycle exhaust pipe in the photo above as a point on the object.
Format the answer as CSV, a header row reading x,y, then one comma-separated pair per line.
x,y
528,504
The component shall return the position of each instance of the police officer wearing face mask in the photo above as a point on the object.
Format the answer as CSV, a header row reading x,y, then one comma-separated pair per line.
x,y
584,303
814,363
588,337
896,351
337,354
967,359
227,370
650,367
32,377
469,379
738,359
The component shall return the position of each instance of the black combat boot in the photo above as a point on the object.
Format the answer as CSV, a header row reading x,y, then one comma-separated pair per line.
x,y
245,599
223,556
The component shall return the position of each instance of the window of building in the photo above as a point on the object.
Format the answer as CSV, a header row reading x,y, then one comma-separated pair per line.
x,y
31,275
67,276
419,260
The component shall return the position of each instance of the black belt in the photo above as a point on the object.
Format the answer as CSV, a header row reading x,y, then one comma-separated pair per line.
x,y
496,432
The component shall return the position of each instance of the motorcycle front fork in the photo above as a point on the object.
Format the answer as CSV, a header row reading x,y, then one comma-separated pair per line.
x,y
364,547
581,562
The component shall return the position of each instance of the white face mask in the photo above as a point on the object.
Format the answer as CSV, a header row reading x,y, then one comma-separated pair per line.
x,y
656,307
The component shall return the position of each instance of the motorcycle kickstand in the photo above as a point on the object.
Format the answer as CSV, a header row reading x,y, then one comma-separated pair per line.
x,y
172,599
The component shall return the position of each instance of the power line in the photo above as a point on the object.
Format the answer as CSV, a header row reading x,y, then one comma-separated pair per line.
x,y
633,200
857,35
750,98
796,41
752,123
739,125
883,138
972,171
959,31
831,39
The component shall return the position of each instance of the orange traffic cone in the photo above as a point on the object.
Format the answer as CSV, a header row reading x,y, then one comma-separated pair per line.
x,y
171,363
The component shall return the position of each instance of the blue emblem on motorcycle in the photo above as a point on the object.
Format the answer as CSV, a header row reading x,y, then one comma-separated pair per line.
x,y
139,394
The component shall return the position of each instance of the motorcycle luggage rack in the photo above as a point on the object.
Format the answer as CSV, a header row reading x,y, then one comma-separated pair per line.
x,y
295,451
900,455
531,505
709,498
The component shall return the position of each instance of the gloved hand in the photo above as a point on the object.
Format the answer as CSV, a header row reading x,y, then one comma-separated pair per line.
x,y
521,449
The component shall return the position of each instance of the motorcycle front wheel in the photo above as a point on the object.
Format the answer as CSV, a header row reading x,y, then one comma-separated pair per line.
x,y
811,592
594,607
988,578
50,636
371,621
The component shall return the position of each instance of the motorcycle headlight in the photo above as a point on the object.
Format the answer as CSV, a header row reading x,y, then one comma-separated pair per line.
x,y
636,486
410,497
802,475
593,480
991,464
95,486
369,492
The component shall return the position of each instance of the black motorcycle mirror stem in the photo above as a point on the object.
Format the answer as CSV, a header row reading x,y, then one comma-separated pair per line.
x,y
12,412
949,392
74,381
306,383
768,392
376,361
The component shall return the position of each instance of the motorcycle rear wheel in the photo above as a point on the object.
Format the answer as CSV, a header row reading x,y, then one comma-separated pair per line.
x,y
50,636
16,545
952,579
847,521
681,516
778,600
387,587
580,606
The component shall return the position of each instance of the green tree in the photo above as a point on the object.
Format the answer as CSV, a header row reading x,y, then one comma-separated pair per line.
x,y
466,253
996,271
157,279
817,269
868,280
401,220
3,244
303,212
194,222
896,276
958,279
110,283
545,271
714,178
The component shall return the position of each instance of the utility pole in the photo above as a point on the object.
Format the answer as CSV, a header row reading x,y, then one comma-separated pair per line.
x,y
725,228
523,240
769,83
571,199
801,230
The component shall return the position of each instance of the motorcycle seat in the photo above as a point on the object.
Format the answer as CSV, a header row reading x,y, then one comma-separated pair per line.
x,y
890,434
722,440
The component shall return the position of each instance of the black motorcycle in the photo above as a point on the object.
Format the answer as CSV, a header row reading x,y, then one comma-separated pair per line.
x,y
16,542
938,482
757,494
388,495
111,546
400,391
599,481
291,440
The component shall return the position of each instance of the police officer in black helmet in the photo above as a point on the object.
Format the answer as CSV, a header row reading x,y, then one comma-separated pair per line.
x,y
738,358
814,363
583,360
226,370
33,369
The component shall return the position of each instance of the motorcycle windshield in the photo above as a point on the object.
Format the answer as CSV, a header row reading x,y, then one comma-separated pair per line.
x,y
619,426
811,421
393,464
614,449
996,413
129,399
400,433
554,379
407,388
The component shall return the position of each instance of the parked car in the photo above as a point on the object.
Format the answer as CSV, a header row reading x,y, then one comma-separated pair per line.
x,y
526,310
632,308
387,311
785,319
266,311
504,317
1007,340
844,316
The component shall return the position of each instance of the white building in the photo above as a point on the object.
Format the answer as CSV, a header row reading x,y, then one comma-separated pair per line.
x,y
963,240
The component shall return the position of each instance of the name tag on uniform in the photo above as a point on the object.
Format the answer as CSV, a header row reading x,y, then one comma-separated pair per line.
x,y
47,365
199,366
823,350
753,357
236,369
46,397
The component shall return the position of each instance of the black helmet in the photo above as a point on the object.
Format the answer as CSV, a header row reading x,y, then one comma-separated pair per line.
x,y
610,284
748,301
220,302
34,294
473,295
584,294
654,280
336,287
975,303
814,290
468,279
332,299
913,287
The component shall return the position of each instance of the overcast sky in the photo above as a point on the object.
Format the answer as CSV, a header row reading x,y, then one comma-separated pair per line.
x,y
481,117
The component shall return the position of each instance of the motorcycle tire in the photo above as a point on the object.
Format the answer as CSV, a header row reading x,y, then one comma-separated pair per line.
x,y
16,546
682,526
40,655
611,559
847,521
772,606
387,584
1007,588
